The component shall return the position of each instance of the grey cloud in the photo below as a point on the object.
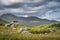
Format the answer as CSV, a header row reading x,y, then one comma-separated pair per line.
x,y
1,7
40,9
17,5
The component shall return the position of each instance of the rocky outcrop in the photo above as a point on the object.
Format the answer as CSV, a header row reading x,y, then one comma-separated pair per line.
x,y
24,30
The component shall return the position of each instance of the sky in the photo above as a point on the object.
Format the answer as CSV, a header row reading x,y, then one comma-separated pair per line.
x,y
45,9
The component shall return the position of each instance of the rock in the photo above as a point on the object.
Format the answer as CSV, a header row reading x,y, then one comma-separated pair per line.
x,y
53,29
46,33
21,30
24,30
14,28
12,24
15,25
7,25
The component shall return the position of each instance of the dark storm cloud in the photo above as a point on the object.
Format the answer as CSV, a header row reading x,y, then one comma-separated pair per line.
x,y
40,8
17,5
45,4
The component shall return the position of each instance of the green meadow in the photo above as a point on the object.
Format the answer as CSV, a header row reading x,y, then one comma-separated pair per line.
x,y
41,32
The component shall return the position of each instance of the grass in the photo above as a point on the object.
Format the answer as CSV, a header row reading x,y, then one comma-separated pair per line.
x,y
17,36
38,33
38,30
3,22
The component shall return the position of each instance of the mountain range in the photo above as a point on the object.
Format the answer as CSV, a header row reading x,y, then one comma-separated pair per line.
x,y
32,20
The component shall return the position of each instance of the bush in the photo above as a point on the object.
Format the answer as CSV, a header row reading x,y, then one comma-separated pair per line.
x,y
38,30
55,25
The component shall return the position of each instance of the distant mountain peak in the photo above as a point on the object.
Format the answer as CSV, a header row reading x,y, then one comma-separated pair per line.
x,y
7,14
31,20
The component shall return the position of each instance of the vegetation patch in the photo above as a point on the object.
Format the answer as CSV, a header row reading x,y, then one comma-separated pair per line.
x,y
43,32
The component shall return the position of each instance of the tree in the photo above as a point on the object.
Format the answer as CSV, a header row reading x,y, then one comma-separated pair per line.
x,y
15,21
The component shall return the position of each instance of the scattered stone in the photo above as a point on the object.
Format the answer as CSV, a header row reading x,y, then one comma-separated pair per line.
x,y
7,25
13,24
46,33
14,28
24,30
53,29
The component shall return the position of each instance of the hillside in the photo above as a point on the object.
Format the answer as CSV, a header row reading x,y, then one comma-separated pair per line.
x,y
26,20
2,21
38,33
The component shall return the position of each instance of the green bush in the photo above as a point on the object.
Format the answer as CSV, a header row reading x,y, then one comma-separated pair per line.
x,y
55,25
38,30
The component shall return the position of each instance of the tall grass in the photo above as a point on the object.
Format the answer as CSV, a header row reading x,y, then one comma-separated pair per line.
x,y
38,30
38,33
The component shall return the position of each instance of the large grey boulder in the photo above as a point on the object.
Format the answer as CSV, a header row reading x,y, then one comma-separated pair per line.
x,y
24,30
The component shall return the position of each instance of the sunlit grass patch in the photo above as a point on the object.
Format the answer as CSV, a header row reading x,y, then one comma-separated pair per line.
x,y
38,33
38,30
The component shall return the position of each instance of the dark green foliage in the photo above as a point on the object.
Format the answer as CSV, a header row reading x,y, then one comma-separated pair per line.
x,y
3,22
15,21
38,30
38,33
45,28
55,25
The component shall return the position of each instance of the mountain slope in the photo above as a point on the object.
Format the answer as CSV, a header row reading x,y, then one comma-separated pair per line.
x,y
26,20
8,17
2,21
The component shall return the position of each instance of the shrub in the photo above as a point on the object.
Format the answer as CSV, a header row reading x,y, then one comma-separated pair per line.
x,y
38,30
55,25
